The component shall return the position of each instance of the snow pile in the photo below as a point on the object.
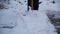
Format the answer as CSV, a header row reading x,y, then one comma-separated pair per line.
x,y
35,22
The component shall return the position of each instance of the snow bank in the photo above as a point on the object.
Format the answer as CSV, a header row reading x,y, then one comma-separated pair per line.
x,y
35,22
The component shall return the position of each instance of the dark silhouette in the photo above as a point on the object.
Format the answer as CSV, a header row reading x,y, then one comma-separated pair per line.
x,y
35,4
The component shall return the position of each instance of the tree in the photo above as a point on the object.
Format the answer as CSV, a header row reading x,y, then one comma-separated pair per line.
x,y
35,4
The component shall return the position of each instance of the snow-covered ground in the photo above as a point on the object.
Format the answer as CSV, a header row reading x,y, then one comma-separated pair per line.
x,y
17,20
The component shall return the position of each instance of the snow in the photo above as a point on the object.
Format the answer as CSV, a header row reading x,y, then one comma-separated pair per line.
x,y
57,15
48,5
35,22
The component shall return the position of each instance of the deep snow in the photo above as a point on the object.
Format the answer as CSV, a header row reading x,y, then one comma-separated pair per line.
x,y
25,22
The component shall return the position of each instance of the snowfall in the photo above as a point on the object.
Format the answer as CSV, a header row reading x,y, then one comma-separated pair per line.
x,y
17,20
